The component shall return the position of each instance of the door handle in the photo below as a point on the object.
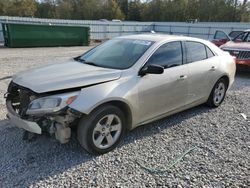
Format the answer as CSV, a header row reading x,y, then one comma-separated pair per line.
x,y
183,77
213,68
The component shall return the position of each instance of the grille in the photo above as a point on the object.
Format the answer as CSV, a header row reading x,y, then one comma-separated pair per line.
x,y
20,98
244,55
240,54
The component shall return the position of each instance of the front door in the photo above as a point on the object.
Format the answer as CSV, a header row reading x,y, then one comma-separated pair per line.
x,y
159,94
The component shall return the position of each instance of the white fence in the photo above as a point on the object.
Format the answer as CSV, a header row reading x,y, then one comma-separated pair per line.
x,y
105,30
205,30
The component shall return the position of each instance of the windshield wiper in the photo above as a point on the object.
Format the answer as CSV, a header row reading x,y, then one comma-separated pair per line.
x,y
90,63
84,61
78,58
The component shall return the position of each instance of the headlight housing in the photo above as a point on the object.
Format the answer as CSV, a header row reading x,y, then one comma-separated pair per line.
x,y
51,104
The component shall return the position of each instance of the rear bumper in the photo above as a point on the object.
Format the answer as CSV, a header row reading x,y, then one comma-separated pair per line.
x,y
18,122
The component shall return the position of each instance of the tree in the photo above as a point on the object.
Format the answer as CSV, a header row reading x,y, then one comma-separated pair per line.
x,y
245,11
3,4
64,9
111,10
46,9
123,4
139,10
19,7
154,10
134,10
194,9
179,11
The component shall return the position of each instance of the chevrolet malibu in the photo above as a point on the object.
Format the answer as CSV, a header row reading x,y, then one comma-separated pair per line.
x,y
117,86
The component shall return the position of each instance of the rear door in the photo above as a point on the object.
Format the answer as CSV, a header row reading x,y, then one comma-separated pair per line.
x,y
202,68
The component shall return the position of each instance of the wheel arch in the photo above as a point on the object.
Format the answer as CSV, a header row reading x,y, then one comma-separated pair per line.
x,y
226,78
123,106
210,101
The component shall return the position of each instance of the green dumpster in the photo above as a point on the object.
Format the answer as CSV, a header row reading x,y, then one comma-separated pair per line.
x,y
34,35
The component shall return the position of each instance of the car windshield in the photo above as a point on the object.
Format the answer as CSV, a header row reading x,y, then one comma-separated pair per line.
x,y
116,53
234,34
243,37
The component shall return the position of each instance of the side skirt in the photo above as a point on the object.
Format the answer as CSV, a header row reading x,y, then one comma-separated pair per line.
x,y
188,106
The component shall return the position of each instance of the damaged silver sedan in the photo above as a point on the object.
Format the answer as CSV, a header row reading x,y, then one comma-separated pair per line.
x,y
117,86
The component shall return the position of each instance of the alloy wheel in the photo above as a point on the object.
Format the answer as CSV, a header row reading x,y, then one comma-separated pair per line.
x,y
219,93
107,131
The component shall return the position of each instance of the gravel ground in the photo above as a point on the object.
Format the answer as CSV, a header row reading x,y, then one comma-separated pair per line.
x,y
220,138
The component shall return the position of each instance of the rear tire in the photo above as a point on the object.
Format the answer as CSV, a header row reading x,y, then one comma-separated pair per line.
x,y
218,93
102,130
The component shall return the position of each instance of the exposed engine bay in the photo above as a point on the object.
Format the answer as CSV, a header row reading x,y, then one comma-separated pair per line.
x,y
58,123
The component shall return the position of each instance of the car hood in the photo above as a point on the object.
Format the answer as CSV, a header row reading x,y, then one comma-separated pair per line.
x,y
237,45
63,76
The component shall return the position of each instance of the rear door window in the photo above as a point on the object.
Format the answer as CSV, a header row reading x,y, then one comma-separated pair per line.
x,y
195,51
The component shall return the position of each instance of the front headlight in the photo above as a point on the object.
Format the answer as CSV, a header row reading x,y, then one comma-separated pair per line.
x,y
51,104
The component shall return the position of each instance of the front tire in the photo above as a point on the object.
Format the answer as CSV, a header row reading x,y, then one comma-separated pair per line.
x,y
218,93
102,130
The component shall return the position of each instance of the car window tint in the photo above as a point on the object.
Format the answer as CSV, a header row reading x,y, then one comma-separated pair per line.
x,y
241,37
220,35
234,34
195,52
209,53
248,37
168,55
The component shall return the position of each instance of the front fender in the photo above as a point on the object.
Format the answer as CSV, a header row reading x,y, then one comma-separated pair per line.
x,y
123,90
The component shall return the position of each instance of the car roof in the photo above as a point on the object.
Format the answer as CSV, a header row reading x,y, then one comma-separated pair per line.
x,y
159,37
248,30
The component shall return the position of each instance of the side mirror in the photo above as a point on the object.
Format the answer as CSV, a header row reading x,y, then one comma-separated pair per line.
x,y
151,69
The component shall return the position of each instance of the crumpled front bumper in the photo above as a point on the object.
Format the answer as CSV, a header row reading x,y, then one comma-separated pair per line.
x,y
18,122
